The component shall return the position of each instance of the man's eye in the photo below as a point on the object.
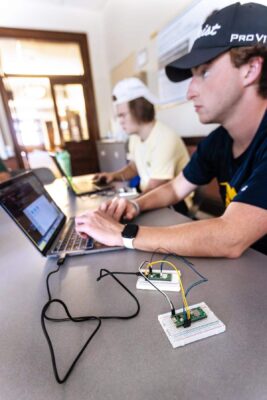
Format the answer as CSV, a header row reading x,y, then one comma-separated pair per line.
x,y
205,73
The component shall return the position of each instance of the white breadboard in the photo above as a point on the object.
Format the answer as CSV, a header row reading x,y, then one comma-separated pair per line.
x,y
172,286
198,330
128,192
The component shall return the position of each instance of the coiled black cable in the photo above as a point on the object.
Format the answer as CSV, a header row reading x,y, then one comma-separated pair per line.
x,y
44,317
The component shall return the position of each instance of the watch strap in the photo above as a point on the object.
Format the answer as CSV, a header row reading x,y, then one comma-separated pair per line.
x,y
128,242
128,234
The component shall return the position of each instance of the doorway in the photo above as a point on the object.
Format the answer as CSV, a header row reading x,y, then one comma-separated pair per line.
x,y
46,86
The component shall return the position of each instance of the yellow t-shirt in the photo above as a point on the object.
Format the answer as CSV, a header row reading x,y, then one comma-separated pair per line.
x,y
161,156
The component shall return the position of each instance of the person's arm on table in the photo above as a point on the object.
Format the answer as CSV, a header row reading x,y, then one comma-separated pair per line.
x,y
226,236
124,174
154,183
170,193
103,224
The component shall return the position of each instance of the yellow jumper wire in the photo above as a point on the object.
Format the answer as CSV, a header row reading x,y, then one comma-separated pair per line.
x,y
150,264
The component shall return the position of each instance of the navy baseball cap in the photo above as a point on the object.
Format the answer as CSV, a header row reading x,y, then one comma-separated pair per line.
x,y
233,26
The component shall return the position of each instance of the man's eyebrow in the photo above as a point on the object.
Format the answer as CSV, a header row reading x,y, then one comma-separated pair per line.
x,y
199,67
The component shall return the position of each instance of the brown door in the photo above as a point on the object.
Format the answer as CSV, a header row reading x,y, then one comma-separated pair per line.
x,y
72,119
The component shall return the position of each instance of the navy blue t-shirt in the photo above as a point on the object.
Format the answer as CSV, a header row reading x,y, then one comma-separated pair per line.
x,y
242,179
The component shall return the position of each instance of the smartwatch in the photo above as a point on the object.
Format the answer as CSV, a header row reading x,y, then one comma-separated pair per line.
x,y
129,234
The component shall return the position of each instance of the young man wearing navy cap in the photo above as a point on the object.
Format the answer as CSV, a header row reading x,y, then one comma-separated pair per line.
x,y
228,65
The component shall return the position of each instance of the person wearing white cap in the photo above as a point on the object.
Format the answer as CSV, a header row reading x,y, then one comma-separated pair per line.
x,y
157,153
228,66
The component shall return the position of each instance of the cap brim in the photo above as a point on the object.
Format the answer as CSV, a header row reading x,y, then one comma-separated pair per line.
x,y
180,69
129,97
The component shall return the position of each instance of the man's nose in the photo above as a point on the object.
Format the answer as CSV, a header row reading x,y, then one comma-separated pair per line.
x,y
192,89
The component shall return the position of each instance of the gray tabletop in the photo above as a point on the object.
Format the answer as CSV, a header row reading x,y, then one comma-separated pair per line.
x,y
127,359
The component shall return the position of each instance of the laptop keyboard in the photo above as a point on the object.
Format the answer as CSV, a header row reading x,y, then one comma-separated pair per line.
x,y
71,241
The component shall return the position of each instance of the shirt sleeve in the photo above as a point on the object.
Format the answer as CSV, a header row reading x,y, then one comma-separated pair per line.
x,y
254,189
202,167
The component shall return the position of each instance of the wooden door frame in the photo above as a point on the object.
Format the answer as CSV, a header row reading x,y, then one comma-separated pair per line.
x,y
64,37
69,80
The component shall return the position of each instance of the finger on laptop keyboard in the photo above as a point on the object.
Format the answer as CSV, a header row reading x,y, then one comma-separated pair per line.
x,y
121,207
112,206
105,205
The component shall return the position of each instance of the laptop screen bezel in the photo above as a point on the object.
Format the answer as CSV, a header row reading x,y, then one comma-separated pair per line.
x,y
22,176
64,175
71,185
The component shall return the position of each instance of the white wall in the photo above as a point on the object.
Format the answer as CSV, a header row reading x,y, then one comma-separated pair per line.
x,y
131,26
51,17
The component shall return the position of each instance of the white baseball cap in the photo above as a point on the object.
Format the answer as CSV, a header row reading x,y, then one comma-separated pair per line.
x,y
130,89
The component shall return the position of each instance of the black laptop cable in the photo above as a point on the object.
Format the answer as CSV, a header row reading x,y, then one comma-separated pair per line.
x,y
44,317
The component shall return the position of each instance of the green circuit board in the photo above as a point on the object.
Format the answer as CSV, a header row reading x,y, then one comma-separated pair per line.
x,y
196,315
157,276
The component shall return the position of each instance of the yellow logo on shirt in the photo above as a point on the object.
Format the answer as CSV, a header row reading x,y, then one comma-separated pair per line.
x,y
230,193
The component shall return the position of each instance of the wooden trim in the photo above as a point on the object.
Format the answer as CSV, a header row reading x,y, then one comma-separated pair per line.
x,y
56,112
17,148
193,140
89,97
52,36
57,78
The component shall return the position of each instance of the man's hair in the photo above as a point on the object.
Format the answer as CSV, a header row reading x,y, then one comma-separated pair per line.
x,y
142,110
241,55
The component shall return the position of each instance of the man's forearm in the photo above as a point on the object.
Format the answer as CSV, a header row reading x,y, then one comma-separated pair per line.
x,y
167,194
229,236
162,196
153,184
126,173
196,239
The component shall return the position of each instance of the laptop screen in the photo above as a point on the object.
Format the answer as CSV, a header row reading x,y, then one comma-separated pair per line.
x,y
31,207
83,184
59,165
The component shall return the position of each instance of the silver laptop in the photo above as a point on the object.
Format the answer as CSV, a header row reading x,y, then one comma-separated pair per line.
x,y
28,203
83,184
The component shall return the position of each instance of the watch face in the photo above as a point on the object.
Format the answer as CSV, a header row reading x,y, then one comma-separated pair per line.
x,y
130,231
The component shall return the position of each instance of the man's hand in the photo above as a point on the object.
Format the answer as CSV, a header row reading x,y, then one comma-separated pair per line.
x,y
104,177
100,227
118,208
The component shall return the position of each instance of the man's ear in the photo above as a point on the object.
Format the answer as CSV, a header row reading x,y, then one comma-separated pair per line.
x,y
252,70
